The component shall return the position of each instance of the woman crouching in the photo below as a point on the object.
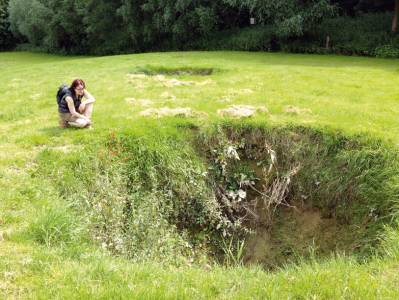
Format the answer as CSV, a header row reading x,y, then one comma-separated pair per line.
x,y
74,111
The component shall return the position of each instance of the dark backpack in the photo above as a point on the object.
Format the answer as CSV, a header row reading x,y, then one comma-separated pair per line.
x,y
62,90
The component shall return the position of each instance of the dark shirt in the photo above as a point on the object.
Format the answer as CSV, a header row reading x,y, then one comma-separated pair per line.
x,y
63,105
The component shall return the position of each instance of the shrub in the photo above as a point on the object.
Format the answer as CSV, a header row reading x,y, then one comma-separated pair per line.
x,y
29,19
358,35
7,40
258,38
387,51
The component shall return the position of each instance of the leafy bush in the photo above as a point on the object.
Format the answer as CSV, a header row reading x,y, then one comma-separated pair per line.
x,y
54,26
30,19
107,32
7,40
387,51
291,18
361,35
258,38
358,35
65,30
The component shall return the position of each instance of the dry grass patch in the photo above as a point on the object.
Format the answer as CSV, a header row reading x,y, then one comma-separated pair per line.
x,y
166,111
241,111
141,102
167,95
61,148
175,82
233,93
294,110
138,80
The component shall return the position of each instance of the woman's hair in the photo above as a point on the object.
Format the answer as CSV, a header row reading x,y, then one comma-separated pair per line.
x,y
76,83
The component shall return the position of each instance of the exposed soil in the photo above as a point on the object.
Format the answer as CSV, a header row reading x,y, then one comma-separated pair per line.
x,y
296,231
292,230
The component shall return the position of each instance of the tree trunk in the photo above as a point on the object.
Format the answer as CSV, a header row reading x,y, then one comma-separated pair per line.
x,y
395,16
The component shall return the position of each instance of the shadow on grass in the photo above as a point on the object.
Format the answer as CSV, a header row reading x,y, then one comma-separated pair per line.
x,y
56,130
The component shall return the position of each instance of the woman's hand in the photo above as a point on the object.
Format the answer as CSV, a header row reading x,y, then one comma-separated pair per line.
x,y
82,107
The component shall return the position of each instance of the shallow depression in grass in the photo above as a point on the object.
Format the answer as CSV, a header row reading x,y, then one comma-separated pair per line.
x,y
163,70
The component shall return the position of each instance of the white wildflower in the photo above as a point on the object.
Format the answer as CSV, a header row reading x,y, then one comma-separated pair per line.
x,y
242,194
232,153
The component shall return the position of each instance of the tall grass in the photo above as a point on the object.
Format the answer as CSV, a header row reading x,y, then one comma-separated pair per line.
x,y
54,227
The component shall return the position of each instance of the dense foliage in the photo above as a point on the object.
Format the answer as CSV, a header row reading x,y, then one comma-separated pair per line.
x,y
7,40
103,27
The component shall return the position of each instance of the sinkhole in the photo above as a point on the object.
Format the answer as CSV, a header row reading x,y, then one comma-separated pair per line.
x,y
235,193
300,192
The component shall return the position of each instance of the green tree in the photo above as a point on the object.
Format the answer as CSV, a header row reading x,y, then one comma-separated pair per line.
x,y
106,29
65,30
135,22
167,23
379,6
54,25
292,18
29,19
7,40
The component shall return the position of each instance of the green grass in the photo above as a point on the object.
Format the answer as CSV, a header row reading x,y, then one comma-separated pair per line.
x,y
45,252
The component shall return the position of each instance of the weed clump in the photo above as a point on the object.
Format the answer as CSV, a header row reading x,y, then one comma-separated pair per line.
x,y
54,227
144,199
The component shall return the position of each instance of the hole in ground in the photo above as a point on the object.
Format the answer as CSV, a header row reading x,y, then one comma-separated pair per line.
x,y
160,70
301,193
298,232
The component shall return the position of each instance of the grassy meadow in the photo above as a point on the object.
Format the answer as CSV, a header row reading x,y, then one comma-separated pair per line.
x,y
47,246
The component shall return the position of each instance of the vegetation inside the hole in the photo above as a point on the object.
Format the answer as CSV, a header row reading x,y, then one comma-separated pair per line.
x,y
303,192
163,70
299,191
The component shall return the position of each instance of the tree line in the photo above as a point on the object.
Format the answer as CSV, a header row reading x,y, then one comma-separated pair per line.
x,y
120,26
